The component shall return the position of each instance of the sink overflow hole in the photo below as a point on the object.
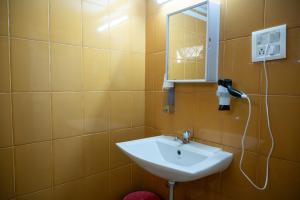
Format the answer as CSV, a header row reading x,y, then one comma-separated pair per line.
x,y
178,152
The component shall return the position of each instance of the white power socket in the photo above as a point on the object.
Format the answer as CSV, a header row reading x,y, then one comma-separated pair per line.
x,y
275,38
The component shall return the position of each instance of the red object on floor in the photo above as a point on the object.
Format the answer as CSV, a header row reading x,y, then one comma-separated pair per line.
x,y
141,195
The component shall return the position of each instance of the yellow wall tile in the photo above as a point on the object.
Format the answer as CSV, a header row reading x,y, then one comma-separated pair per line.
x,y
284,112
282,12
40,195
29,65
222,19
91,187
120,74
68,160
70,190
156,33
149,109
96,153
95,24
137,176
137,69
3,17
285,70
67,114
150,132
96,68
240,19
159,70
120,31
233,124
36,157
155,70
5,120
96,112
120,184
138,112
97,186
117,157
160,34
6,173
184,118
150,33
66,68
127,71
31,117
284,182
238,65
120,110
152,7
138,33
65,19
162,120
119,4
148,72
4,65
100,2
234,185
208,119
29,19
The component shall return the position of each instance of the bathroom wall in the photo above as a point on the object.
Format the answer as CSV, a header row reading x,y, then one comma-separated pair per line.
x,y
197,105
71,85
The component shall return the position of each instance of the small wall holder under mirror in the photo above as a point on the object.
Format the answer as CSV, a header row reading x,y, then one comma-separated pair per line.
x,y
193,43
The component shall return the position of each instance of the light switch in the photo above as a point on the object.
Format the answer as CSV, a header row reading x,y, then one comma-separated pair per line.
x,y
274,38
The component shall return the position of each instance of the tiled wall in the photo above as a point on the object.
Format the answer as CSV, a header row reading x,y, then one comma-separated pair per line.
x,y
71,85
197,105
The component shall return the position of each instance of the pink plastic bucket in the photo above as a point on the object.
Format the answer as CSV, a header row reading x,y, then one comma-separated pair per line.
x,y
141,195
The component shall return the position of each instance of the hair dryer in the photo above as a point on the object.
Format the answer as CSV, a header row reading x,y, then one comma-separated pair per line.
x,y
225,91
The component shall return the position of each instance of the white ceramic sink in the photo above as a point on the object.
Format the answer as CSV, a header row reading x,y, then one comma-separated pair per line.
x,y
174,161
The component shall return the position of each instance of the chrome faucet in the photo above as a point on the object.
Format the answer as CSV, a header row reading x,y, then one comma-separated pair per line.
x,y
186,135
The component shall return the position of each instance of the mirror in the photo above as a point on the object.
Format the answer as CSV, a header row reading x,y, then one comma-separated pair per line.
x,y
193,43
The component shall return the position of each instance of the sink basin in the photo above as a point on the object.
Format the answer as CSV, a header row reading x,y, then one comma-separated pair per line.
x,y
170,159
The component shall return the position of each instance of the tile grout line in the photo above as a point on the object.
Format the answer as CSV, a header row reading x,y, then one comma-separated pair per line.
x,y
69,137
108,99
83,94
30,193
51,99
82,71
264,10
259,133
75,45
141,91
11,101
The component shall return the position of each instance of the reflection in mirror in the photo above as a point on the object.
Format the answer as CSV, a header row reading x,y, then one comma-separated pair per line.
x,y
193,43
187,44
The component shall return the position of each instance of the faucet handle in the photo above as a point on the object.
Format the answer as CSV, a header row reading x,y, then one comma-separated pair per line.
x,y
186,134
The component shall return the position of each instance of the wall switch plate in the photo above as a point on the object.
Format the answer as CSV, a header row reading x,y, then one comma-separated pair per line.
x,y
275,37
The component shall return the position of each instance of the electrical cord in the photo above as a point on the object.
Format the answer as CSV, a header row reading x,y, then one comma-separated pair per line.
x,y
269,128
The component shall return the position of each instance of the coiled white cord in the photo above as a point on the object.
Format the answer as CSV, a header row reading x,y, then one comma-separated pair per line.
x,y
269,128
